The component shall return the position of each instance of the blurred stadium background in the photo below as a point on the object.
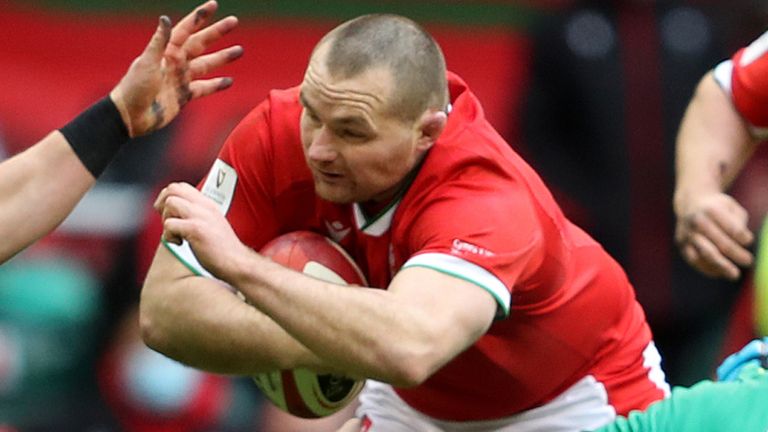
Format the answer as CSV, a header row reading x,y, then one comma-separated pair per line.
x,y
69,353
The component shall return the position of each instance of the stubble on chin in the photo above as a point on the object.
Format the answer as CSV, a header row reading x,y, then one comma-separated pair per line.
x,y
333,194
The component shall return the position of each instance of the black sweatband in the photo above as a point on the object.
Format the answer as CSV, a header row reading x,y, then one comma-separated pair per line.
x,y
96,135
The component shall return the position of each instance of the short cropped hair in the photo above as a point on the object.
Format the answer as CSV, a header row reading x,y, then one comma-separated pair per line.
x,y
399,44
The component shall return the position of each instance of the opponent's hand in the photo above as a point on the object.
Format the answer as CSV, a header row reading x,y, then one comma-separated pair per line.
x,y
167,74
755,352
189,215
713,236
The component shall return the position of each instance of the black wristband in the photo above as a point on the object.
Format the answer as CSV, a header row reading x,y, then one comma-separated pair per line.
x,y
96,135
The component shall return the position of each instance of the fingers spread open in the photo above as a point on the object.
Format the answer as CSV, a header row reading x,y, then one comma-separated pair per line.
x,y
205,64
198,42
193,22
205,87
156,47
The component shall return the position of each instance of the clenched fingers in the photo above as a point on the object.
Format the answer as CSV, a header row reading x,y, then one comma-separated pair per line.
x,y
703,254
719,230
178,189
733,219
176,207
175,230
184,211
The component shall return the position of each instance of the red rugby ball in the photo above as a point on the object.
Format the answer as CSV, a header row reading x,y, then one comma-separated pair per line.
x,y
314,255
302,392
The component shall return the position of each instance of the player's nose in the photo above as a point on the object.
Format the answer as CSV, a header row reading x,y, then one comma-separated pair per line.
x,y
321,147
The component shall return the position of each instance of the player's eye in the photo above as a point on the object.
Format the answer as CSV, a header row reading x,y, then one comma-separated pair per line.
x,y
352,134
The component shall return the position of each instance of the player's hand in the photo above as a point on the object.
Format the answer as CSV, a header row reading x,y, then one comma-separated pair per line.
x,y
713,236
168,73
189,215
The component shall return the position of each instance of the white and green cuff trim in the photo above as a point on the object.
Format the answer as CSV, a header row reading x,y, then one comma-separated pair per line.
x,y
219,186
470,272
184,254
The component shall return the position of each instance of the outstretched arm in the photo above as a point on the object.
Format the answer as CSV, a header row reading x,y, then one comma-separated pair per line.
x,y
40,186
713,145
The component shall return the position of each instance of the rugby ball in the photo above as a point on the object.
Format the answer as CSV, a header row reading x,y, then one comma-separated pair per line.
x,y
302,392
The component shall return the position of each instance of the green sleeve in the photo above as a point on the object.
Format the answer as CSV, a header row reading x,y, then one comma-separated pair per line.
x,y
739,405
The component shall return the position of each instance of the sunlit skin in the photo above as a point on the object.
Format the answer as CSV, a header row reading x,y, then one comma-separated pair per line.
x,y
356,149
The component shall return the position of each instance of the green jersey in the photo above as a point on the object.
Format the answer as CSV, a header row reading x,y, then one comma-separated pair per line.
x,y
740,405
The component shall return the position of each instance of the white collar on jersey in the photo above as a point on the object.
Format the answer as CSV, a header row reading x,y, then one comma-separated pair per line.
x,y
377,225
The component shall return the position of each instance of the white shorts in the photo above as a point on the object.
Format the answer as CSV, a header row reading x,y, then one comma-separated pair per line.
x,y
583,406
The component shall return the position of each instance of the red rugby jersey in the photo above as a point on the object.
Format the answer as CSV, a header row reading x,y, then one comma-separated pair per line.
x,y
475,210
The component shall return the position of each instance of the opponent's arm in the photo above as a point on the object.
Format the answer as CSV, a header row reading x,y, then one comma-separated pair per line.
x,y
401,335
40,186
713,145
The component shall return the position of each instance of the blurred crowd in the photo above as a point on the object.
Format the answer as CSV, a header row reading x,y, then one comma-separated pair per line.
x,y
591,92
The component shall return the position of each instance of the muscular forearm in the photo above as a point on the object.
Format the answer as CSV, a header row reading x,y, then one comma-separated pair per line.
x,y
400,335
39,188
712,145
202,323
364,331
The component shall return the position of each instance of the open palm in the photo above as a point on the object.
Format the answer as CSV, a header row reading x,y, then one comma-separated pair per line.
x,y
169,72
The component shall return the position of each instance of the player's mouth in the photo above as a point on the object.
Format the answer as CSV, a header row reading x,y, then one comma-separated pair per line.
x,y
328,176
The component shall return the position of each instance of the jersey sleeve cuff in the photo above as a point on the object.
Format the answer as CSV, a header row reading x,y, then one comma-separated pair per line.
x,y
723,74
468,271
184,254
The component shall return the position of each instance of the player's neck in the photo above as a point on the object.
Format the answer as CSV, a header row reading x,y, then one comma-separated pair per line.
x,y
372,208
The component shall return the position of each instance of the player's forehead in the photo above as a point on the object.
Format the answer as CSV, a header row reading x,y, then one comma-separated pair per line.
x,y
364,94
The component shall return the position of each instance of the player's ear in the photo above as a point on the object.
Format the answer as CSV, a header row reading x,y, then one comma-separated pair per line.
x,y
431,125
